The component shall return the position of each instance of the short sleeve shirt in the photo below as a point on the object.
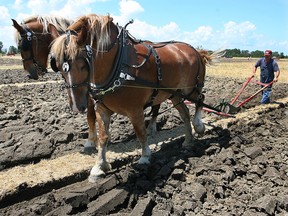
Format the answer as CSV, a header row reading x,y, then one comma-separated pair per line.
x,y
267,69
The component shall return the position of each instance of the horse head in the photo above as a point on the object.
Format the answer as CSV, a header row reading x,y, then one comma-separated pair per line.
x,y
33,38
74,55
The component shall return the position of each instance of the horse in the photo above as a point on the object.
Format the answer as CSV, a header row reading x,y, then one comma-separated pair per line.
x,y
103,61
34,38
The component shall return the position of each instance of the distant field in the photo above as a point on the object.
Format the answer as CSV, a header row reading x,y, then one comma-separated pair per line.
x,y
234,67
11,57
242,68
5,65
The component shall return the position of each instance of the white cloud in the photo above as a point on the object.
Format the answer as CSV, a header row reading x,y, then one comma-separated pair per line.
x,y
4,33
18,4
198,37
145,31
232,29
128,9
4,13
241,35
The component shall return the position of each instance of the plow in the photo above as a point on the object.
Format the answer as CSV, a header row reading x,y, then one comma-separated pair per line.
x,y
229,109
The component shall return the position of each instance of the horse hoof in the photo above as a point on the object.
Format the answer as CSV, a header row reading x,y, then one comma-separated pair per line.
x,y
95,178
98,172
200,129
142,167
89,150
144,160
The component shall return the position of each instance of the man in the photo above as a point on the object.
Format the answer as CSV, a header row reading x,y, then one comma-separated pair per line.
x,y
269,72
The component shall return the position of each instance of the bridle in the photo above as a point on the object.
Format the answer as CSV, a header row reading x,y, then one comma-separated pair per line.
x,y
88,56
26,44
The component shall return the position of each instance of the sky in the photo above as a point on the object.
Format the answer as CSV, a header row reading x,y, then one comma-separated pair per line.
x,y
210,24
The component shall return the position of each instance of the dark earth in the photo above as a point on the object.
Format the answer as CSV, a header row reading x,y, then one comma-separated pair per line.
x,y
238,167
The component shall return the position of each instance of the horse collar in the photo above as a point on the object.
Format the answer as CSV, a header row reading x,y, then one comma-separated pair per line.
x,y
113,80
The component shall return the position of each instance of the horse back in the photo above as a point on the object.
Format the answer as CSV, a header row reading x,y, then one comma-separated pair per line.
x,y
180,64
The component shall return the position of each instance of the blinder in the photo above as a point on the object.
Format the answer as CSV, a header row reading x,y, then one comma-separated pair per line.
x,y
53,64
26,41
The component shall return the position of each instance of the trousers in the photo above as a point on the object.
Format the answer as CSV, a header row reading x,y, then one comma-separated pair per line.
x,y
265,96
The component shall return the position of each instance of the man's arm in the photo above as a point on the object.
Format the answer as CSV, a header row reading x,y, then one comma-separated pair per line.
x,y
254,71
277,73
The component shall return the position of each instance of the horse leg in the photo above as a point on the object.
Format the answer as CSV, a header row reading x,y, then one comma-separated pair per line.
x,y
140,131
184,113
151,129
198,125
90,144
101,166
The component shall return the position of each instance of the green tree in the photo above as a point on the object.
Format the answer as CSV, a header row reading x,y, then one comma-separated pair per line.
x,y
257,54
1,46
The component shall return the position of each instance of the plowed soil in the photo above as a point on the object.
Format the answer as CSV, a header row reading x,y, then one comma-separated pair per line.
x,y
239,166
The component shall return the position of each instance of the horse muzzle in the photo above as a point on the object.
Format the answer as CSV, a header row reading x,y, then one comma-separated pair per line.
x,y
33,73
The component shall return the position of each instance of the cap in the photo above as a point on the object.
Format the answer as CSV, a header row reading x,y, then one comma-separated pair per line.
x,y
267,52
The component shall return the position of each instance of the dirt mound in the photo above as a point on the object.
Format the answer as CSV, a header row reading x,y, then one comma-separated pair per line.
x,y
239,167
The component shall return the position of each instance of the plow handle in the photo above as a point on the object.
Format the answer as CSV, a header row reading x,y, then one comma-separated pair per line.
x,y
241,90
252,96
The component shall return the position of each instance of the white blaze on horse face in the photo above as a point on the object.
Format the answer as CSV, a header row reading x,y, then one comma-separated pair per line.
x,y
70,83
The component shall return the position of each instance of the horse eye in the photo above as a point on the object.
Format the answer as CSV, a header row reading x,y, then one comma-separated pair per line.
x,y
83,68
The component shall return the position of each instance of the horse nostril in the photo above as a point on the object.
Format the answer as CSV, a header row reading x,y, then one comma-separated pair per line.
x,y
82,109
32,76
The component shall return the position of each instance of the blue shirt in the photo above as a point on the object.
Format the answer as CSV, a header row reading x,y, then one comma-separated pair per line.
x,y
267,69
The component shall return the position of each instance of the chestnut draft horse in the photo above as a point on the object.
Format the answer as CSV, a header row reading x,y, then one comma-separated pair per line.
x,y
34,38
123,75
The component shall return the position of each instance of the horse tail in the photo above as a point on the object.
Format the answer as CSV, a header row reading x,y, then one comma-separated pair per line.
x,y
210,58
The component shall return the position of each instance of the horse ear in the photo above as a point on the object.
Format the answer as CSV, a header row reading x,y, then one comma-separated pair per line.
x,y
82,36
18,27
52,29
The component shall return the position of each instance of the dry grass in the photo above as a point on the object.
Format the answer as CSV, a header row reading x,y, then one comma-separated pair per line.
x,y
6,67
17,56
242,68
14,66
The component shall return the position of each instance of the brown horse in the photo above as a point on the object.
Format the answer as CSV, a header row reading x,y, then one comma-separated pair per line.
x,y
34,38
123,75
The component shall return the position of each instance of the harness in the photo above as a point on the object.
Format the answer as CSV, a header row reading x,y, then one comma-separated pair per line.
x,y
120,75
26,44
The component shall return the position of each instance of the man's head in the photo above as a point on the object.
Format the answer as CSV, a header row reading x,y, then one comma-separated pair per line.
x,y
268,53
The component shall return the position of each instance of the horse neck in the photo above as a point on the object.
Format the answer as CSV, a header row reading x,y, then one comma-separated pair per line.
x,y
103,65
104,61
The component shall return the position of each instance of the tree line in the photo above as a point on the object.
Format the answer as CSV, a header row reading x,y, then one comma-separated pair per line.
x,y
230,53
254,54
11,50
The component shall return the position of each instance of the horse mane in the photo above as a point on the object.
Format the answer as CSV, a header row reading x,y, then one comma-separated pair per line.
x,y
97,28
100,32
59,46
60,23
